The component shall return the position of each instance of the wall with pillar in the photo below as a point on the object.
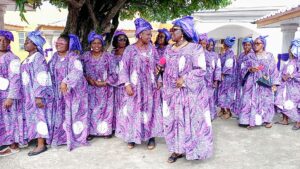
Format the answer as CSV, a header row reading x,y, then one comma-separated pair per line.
x,y
288,34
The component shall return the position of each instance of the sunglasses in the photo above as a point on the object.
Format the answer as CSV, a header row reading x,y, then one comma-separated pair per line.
x,y
175,29
256,44
122,39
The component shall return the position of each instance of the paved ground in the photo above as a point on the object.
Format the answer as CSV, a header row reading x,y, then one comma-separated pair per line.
x,y
235,148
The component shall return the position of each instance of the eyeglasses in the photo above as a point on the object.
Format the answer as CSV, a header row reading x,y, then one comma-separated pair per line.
x,y
175,29
256,44
60,43
161,37
122,39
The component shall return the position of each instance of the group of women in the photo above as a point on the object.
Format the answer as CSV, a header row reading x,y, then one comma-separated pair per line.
x,y
140,91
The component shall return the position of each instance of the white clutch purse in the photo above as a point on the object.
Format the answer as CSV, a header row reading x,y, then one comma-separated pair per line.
x,y
4,83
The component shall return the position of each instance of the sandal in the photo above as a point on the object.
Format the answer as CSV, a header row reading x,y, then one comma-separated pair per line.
x,y
295,127
9,151
282,123
226,115
221,113
151,144
33,153
89,138
131,145
268,125
173,158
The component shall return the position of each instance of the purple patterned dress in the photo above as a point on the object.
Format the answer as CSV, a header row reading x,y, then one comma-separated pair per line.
x,y
213,73
240,67
36,83
187,121
226,91
118,91
70,122
101,99
139,119
11,120
257,102
287,98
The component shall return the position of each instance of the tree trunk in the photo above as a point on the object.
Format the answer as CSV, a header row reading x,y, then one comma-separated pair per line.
x,y
93,15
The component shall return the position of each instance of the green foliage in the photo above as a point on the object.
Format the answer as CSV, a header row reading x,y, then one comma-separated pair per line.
x,y
163,10
152,10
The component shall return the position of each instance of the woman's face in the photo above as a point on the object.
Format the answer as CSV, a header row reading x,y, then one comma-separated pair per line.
x,y
258,45
247,46
161,38
96,45
29,46
122,39
210,46
203,43
4,43
62,45
145,36
176,33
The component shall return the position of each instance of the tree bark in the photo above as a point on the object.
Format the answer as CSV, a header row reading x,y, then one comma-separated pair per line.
x,y
93,15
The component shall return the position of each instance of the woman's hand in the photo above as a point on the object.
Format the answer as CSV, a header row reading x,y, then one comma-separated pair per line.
x,y
286,77
274,88
129,90
253,69
179,82
100,83
63,88
8,103
90,81
39,103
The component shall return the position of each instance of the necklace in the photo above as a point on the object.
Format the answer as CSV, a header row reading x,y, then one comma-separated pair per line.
x,y
180,46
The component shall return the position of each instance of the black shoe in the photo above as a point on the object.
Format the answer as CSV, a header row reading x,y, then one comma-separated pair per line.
x,y
173,158
131,145
89,138
151,144
32,153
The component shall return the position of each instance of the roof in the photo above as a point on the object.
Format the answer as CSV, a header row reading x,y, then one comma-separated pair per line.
x,y
281,16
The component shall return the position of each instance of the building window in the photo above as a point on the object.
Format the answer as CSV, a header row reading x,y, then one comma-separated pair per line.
x,y
22,37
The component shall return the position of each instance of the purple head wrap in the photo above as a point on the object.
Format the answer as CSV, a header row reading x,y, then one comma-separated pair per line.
x,y
248,39
263,40
119,32
203,37
229,41
213,41
74,43
295,48
187,25
37,39
93,35
8,35
141,25
166,32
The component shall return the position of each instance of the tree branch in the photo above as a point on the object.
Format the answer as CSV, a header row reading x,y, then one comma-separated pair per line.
x,y
112,13
76,4
92,14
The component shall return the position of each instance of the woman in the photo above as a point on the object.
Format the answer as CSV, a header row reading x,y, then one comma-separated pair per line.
x,y
257,101
213,73
70,122
11,117
247,46
288,92
120,42
100,74
142,120
37,93
187,121
217,74
226,95
162,40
